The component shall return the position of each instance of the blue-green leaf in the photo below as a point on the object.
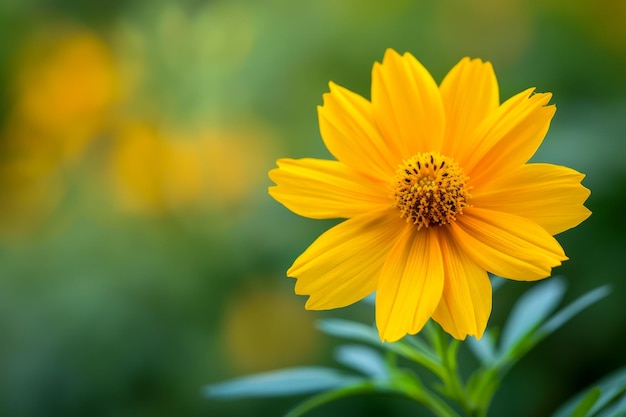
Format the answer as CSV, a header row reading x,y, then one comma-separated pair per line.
x,y
363,333
484,349
329,396
587,403
363,359
282,382
417,342
610,387
565,314
615,409
482,384
349,330
529,311
496,282
370,299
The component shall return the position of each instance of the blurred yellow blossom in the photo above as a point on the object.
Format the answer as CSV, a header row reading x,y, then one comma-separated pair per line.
x,y
155,171
65,85
230,183
484,27
266,329
154,174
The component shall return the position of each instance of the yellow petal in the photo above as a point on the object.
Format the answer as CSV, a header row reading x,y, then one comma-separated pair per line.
x,y
407,104
509,136
470,93
410,285
342,266
322,189
466,302
350,133
549,195
507,245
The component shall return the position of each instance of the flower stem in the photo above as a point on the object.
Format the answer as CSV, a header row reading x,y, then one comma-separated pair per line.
x,y
433,402
453,385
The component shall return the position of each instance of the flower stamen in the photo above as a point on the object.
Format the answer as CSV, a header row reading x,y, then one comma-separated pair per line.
x,y
430,189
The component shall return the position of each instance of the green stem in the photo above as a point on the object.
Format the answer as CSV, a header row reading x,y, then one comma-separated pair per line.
x,y
438,406
409,352
431,401
410,385
452,381
488,382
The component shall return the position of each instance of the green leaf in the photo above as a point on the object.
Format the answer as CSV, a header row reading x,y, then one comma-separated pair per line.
x,y
370,299
363,359
588,401
529,311
282,382
615,409
482,385
610,387
484,349
350,330
330,396
417,342
363,333
496,282
565,314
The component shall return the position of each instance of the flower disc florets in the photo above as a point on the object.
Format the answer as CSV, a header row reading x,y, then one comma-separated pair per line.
x,y
430,189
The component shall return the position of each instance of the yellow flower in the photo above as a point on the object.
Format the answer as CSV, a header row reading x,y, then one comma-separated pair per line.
x,y
437,189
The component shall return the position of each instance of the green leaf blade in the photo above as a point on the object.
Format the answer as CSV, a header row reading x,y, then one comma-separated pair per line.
x,y
587,403
496,282
484,349
283,382
329,396
616,409
352,330
580,304
363,359
611,388
360,332
529,311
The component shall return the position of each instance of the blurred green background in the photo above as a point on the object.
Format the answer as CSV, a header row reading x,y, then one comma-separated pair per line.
x,y
140,255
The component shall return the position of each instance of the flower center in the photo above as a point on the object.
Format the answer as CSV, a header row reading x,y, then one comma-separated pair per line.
x,y
430,189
